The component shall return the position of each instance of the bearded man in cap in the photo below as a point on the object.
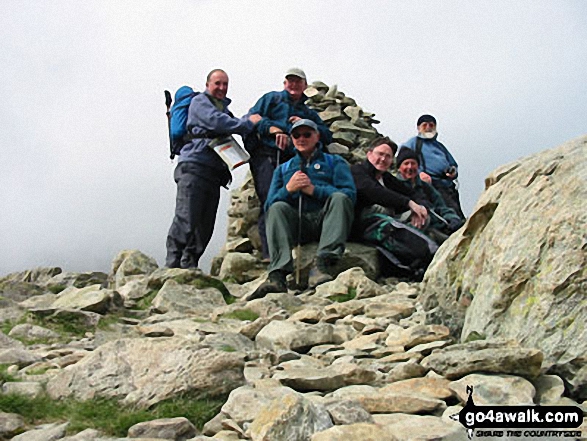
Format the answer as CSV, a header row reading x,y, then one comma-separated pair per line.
x,y
443,220
269,144
437,165
311,198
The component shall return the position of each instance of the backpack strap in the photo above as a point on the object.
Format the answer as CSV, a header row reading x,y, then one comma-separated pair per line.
x,y
419,142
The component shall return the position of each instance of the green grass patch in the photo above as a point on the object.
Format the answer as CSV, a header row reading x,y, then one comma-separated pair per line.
x,y
474,336
229,298
56,289
7,326
68,325
145,302
340,298
229,279
39,371
108,320
5,377
200,281
227,348
242,314
41,340
107,415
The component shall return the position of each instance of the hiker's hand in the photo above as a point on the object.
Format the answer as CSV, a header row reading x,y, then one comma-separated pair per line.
x,y
255,118
308,189
282,140
419,214
451,172
426,177
298,181
455,224
293,119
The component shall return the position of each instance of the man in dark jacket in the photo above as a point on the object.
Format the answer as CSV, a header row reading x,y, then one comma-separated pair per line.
x,y
311,198
200,172
376,186
443,220
381,197
269,144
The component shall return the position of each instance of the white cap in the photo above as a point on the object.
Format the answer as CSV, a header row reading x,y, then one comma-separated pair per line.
x,y
295,71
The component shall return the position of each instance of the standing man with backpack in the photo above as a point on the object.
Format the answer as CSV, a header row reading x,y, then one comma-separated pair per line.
x,y
200,172
269,144
437,165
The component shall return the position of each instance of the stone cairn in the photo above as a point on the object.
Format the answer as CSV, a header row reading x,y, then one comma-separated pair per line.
x,y
352,130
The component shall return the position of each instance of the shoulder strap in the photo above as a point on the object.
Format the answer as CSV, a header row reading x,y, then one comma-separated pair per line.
x,y
419,142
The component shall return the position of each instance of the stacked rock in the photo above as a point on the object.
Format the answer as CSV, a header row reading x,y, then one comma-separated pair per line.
x,y
352,127
352,130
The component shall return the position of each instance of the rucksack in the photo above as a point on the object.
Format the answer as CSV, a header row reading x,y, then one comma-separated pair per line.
x,y
177,118
407,249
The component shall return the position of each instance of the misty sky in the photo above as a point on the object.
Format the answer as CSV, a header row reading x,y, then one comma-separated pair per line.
x,y
84,168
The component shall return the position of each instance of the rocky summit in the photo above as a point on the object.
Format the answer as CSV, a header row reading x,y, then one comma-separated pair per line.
x,y
502,308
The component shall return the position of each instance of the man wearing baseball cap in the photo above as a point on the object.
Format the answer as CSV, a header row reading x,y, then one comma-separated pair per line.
x,y
437,165
269,144
311,198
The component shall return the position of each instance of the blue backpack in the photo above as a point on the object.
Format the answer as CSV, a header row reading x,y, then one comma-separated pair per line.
x,y
177,118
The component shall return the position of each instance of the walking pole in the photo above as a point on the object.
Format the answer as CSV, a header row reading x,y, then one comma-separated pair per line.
x,y
299,246
168,113
440,218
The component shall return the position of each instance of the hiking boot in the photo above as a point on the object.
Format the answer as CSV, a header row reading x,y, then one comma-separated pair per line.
x,y
318,275
274,283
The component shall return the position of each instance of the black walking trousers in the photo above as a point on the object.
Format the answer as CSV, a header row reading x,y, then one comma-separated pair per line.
x,y
195,214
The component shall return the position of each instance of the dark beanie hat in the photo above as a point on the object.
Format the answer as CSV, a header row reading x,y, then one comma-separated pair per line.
x,y
426,118
406,153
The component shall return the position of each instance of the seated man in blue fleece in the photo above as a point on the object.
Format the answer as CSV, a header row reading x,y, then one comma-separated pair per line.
x,y
269,143
313,191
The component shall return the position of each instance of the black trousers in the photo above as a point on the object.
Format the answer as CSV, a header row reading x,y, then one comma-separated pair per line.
x,y
195,214
451,197
262,166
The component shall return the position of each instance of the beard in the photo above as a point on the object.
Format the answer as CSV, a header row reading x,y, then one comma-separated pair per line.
x,y
429,135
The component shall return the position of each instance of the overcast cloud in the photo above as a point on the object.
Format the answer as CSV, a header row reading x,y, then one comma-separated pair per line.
x,y
84,168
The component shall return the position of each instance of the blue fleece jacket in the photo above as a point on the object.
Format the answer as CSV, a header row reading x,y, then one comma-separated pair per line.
x,y
436,157
205,117
329,174
276,108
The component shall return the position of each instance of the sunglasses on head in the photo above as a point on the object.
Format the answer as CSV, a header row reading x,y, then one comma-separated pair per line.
x,y
296,135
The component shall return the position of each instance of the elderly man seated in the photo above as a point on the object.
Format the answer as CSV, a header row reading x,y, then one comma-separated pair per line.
x,y
443,220
311,198
381,199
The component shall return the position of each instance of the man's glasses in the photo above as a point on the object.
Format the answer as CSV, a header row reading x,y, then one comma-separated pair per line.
x,y
298,134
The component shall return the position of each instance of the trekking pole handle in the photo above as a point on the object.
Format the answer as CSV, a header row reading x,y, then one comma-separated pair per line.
x,y
168,99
